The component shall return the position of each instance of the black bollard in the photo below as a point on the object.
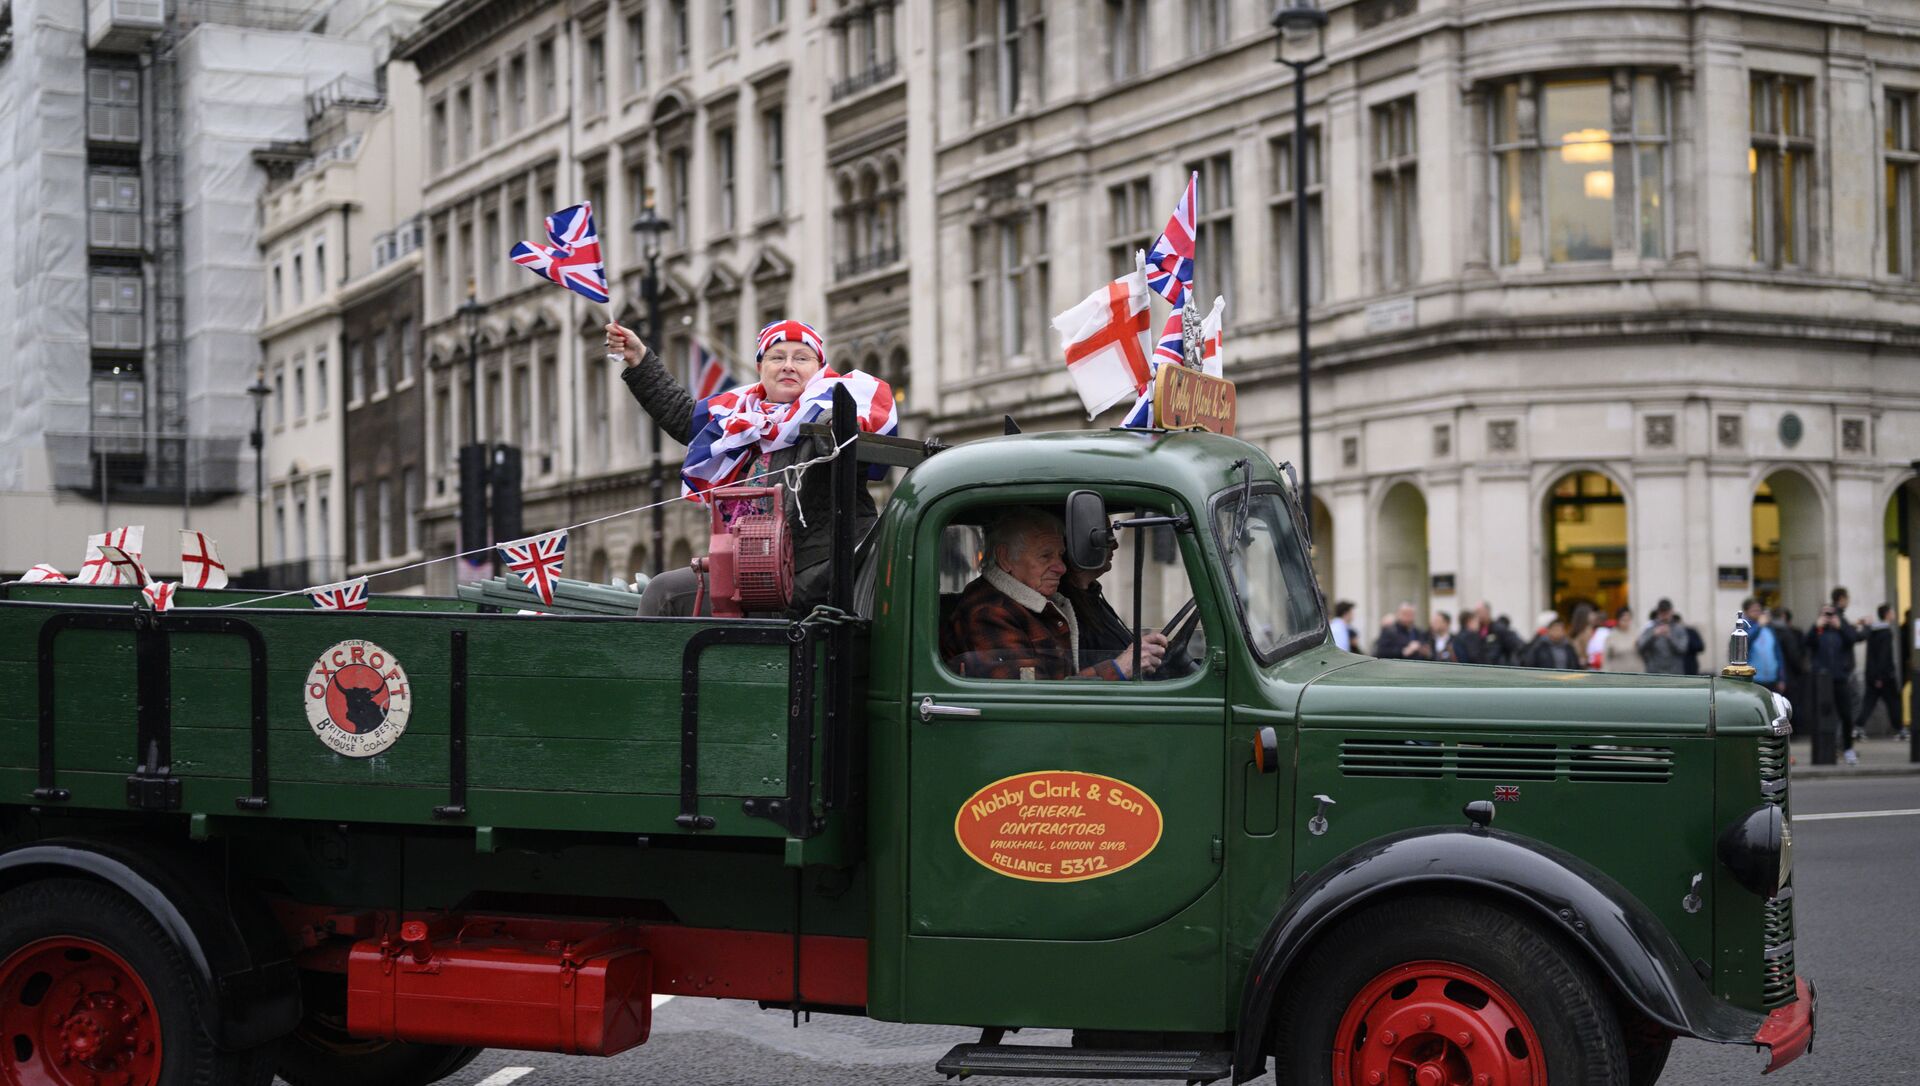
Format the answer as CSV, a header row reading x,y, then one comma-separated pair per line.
x,y
1826,728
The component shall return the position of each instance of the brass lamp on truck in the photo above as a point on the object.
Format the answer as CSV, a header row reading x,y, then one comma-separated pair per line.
x,y
360,846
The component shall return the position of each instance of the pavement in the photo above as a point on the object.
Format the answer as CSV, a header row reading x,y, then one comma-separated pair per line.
x,y
1857,883
1879,757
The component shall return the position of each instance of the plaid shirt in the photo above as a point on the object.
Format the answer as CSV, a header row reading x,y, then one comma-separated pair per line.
x,y
992,636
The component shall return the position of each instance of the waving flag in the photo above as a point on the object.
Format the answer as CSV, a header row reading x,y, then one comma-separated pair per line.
x,y
127,568
1213,350
1170,261
1102,340
199,562
340,596
707,374
96,569
730,429
573,260
159,595
43,573
537,560
1169,349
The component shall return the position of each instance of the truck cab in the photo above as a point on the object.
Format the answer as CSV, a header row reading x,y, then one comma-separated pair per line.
x,y
1266,853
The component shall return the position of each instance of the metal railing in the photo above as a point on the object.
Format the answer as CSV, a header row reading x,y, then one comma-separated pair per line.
x,y
866,262
874,76
345,91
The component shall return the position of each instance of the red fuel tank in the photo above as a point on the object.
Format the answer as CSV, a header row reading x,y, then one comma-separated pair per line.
x,y
585,997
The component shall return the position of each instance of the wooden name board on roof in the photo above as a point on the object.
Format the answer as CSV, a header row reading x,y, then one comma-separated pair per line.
x,y
1186,399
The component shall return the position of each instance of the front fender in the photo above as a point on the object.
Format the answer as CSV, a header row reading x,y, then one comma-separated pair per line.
x,y
1569,896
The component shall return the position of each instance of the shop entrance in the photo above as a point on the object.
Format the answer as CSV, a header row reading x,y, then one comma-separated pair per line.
x,y
1587,552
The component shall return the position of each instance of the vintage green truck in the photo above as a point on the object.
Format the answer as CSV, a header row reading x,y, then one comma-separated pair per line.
x,y
243,836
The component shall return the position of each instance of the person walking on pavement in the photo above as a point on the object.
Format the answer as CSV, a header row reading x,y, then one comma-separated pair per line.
x,y
1830,645
1401,639
1689,659
1663,645
1883,674
1619,653
1551,649
1763,649
1342,625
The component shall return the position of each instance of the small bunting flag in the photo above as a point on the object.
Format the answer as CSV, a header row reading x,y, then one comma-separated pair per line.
x,y
341,596
537,559
200,565
159,594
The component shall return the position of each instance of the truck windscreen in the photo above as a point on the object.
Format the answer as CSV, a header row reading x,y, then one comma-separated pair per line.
x,y
1273,589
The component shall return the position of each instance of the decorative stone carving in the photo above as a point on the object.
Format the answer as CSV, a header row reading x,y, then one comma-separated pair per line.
x,y
1853,435
1729,432
1442,440
1349,452
1659,431
1503,435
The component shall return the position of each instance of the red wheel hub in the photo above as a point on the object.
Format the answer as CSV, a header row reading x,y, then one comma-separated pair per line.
x,y
1435,1024
73,1013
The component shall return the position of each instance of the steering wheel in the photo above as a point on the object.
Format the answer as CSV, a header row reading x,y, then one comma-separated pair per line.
x,y
1179,661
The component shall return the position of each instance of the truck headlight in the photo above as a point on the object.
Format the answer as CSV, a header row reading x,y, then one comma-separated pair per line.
x,y
1758,849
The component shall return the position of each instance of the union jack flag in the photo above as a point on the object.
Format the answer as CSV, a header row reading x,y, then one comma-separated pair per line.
x,y
95,569
1170,261
340,596
43,573
537,559
573,260
707,373
159,594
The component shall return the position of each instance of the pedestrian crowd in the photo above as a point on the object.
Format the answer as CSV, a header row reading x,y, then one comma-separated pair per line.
x,y
1792,661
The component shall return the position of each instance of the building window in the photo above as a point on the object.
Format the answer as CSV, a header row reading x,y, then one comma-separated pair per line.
x,y
383,499
545,72
1006,57
773,136
549,404
406,350
489,110
724,32
323,519
1040,290
680,34
490,233
320,389
596,74
1213,243
637,51
462,124
517,92
680,176
723,180
443,426
299,389
320,264
522,406
280,522
1126,38
113,213
356,379
1599,145
439,136
773,13
280,395
1780,163
299,281
1012,235
1206,25
980,269
1285,206
1396,195
381,354
1130,225
410,517
118,311
279,292
361,553
1903,183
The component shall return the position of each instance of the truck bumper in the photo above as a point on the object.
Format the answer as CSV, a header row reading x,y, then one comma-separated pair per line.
x,y
1788,1034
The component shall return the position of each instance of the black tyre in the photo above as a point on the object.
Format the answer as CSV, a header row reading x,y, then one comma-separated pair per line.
x,y
1443,990
93,991
321,1053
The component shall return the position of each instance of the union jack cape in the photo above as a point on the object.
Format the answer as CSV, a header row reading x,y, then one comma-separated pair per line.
x,y
537,559
340,596
732,428
573,260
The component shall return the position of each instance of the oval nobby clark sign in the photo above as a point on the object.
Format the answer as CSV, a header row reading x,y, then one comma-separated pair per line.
x,y
1058,825
357,699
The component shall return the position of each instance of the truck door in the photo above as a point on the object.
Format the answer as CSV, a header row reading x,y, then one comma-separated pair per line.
x,y
1066,833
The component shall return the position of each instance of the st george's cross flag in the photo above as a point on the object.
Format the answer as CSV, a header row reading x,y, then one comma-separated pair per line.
x,y
1213,340
537,559
200,565
127,567
1170,260
159,595
573,260
1101,336
43,574
95,569
340,596
706,372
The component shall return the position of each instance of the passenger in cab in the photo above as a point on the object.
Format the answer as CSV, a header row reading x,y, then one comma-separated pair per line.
x,y
1013,623
1103,633
791,356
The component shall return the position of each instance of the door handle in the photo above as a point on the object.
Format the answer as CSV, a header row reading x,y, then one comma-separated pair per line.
x,y
930,709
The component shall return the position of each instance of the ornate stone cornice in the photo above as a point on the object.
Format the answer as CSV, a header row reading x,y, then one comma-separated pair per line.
x,y
456,29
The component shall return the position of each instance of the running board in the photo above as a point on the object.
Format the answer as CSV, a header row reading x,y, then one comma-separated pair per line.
x,y
1052,1061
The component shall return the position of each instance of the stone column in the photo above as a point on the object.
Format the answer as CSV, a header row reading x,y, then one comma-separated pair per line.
x,y
1684,245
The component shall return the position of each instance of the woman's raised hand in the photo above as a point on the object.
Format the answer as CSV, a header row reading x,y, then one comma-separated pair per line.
x,y
623,341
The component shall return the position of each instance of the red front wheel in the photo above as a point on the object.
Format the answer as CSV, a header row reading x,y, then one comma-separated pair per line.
x,y
1446,992
94,993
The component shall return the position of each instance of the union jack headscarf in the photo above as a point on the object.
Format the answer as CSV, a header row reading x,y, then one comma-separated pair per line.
x,y
731,429
791,331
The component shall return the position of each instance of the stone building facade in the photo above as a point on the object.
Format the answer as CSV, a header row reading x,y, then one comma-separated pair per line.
x,y
721,113
1607,306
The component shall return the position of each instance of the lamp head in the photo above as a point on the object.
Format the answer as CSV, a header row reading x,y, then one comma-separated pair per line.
x,y
470,313
649,225
1303,33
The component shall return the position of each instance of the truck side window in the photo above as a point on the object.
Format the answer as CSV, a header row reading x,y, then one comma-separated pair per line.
x,y
993,625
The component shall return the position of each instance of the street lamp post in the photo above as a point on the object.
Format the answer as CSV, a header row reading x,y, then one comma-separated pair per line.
x,y
1302,44
648,227
259,391
473,499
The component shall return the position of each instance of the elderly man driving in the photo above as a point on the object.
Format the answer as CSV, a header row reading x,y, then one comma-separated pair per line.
x,y
1012,622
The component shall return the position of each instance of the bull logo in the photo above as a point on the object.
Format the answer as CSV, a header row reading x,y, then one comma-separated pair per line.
x,y
358,699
